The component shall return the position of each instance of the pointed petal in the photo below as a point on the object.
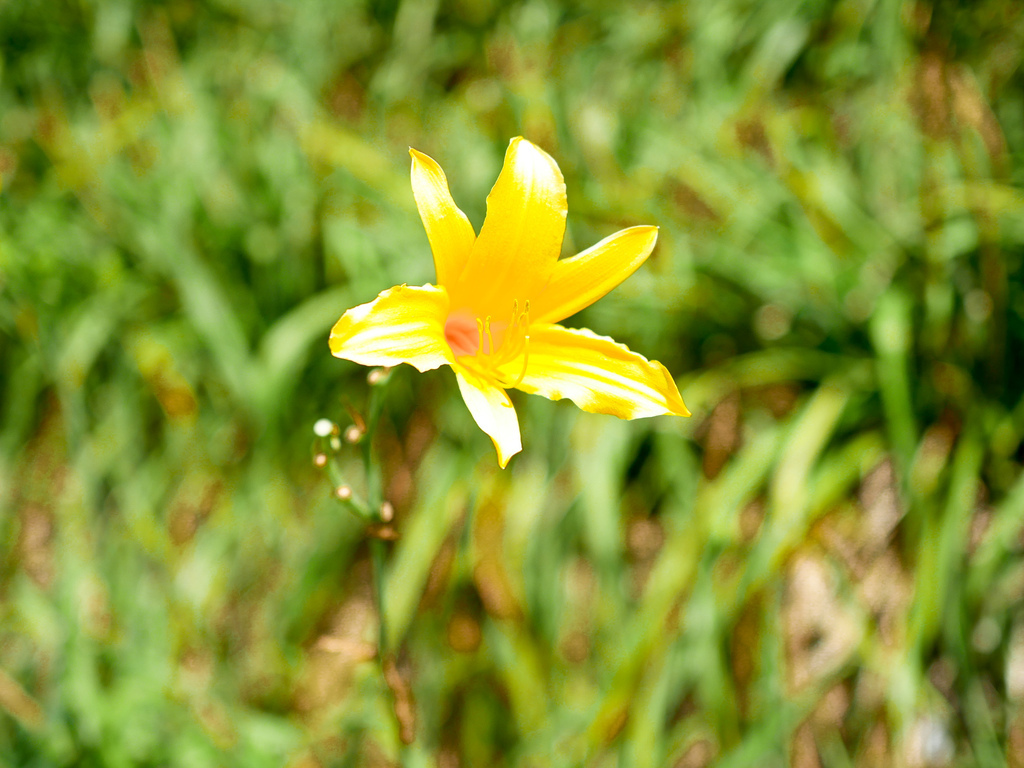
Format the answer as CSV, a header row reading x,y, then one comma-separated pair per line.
x,y
521,238
402,325
598,374
492,411
579,281
450,234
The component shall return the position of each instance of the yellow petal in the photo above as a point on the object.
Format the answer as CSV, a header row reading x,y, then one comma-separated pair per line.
x,y
402,325
492,411
583,279
521,237
450,234
598,374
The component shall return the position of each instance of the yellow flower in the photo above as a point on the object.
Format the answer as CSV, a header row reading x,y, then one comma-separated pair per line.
x,y
492,315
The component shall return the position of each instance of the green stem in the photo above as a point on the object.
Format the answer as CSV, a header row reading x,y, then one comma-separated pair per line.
x,y
374,409
377,558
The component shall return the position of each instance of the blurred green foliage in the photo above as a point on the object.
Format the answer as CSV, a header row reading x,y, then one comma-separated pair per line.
x,y
821,568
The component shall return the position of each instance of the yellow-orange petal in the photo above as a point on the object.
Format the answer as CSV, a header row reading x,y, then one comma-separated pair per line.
x,y
521,237
402,325
492,411
598,374
579,281
450,234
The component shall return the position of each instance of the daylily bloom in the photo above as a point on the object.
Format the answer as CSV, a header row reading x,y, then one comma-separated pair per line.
x,y
493,314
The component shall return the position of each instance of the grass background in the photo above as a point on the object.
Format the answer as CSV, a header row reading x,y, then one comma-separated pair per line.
x,y
822,567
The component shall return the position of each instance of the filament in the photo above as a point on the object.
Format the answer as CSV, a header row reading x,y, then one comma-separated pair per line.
x,y
526,357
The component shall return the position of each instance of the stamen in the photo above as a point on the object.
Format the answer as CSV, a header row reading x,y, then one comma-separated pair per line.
x,y
526,358
479,336
523,321
490,341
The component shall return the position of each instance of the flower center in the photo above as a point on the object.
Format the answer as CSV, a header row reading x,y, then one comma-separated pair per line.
x,y
460,332
493,343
